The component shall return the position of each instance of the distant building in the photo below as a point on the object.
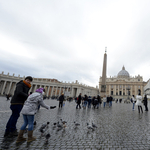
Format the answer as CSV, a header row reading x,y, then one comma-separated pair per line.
x,y
123,84
147,88
53,86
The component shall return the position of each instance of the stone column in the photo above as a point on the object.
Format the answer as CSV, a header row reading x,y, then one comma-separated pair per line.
x,y
64,90
47,94
14,87
60,91
109,92
3,87
8,92
35,87
135,90
122,88
125,90
71,92
114,90
56,91
52,91
131,91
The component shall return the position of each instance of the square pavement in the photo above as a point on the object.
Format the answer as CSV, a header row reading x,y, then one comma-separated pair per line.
x,y
119,128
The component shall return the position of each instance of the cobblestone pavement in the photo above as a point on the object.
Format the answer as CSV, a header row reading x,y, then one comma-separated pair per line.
x,y
119,128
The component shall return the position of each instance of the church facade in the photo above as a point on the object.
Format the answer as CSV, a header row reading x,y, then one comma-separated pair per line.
x,y
123,86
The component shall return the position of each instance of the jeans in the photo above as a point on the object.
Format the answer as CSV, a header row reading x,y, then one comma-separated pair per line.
x,y
110,103
104,104
133,106
85,103
89,104
28,120
11,124
97,105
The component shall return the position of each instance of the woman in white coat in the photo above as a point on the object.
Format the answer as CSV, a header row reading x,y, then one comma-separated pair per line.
x,y
29,110
139,102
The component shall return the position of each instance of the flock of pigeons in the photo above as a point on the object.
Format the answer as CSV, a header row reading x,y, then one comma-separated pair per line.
x,y
60,126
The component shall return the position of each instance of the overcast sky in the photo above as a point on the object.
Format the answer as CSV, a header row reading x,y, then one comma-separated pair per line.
x,y
66,39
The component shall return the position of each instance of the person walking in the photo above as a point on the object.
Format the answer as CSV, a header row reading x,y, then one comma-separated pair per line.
x,y
133,101
79,101
110,101
139,102
30,108
99,101
145,103
61,99
104,100
85,101
17,101
89,101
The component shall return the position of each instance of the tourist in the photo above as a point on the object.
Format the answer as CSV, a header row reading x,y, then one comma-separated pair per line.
x,y
145,103
85,101
7,96
89,101
110,101
61,99
133,101
99,101
94,102
139,102
79,101
30,108
17,101
104,100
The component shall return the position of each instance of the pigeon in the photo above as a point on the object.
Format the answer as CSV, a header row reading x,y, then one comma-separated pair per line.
x,y
43,128
64,122
59,126
93,125
89,127
76,124
47,137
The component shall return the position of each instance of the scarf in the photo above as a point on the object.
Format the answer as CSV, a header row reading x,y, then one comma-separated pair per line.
x,y
27,84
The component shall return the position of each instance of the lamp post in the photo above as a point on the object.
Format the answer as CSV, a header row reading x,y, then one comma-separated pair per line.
x,y
128,89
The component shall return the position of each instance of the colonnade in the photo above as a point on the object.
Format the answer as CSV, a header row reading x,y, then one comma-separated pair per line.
x,y
52,87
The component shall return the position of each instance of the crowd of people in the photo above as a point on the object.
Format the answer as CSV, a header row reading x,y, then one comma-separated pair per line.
x,y
96,101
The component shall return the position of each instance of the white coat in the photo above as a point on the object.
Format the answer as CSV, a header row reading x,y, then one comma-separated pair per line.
x,y
139,100
31,104
104,99
133,99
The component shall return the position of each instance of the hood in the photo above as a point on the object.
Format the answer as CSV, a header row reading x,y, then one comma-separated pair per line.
x,y
40,90
33,96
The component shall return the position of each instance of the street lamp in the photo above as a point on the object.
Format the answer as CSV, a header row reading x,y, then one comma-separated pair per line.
x,y
128,89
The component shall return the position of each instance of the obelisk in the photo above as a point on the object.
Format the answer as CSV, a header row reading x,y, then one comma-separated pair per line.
x,y
103,85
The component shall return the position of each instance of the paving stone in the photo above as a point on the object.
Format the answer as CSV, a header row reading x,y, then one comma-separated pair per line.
x,y
119,128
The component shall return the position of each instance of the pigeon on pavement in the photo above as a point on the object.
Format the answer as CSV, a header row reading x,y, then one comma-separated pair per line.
x,y
93,125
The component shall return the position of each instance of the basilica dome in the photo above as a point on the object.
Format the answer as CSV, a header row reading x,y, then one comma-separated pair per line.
x,y
123,73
